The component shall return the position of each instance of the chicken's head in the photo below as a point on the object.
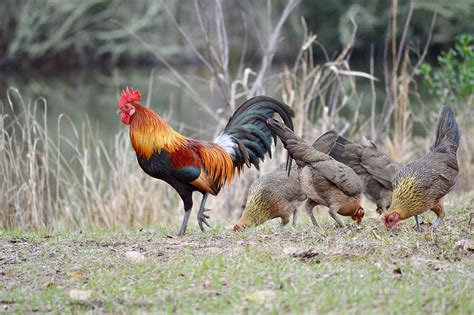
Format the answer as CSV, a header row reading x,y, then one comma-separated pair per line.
x,y
128,100
390,219
238,227
358,215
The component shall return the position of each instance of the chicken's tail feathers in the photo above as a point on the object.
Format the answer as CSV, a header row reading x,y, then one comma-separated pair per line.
x,y
340,152
297,148
447,132
246,136
326,142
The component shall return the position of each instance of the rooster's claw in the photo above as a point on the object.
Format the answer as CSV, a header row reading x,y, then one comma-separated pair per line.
x,y
202,218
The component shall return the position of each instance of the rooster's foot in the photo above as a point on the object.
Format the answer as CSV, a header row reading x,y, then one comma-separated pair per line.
x,y
202,218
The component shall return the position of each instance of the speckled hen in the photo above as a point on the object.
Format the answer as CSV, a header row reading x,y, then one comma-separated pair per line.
x,y
419,186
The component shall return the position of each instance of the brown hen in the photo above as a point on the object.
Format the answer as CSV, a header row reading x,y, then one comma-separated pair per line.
x,y
375,168
278,194
324,180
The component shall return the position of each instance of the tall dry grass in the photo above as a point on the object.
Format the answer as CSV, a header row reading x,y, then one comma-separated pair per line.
x,y
71,179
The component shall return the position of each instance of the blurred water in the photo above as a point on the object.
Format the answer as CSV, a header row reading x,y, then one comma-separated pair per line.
x,y
94,95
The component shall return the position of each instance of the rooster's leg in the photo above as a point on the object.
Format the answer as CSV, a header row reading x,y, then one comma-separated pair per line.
x,y
310,204
184,225
335,217
202,217
418,226
187,198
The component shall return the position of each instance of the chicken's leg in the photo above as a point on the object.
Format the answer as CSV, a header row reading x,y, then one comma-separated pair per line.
x,y
309,205
294,218
184,225
418,226
335,217
435,224
201,216
187,198
379,210
439,210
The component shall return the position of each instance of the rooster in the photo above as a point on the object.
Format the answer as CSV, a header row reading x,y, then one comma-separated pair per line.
x,y
419,186
190,165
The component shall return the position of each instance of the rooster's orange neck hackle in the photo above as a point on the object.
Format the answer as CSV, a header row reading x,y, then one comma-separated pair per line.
x,y
150,133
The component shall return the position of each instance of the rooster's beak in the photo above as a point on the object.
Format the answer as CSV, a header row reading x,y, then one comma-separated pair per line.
x,y
118,111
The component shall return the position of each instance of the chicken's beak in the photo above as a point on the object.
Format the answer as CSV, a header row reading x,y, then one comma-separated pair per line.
x,y
118,111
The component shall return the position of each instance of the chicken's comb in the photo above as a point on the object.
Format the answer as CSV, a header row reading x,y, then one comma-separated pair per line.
x,y
129,95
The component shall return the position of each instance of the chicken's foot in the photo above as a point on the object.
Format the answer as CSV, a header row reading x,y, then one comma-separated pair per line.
x,y
435,224
201,216
334,216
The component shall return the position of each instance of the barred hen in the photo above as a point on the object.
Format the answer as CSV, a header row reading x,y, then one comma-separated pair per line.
x,y
324,180
190,165
375,168
419,186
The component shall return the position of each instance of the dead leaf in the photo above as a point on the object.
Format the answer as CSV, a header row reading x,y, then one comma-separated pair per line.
x,y
134,256
376,235
290,250
207,285
306,255
439,266
262,296
47,284
463,245
397,271
80,295
77,275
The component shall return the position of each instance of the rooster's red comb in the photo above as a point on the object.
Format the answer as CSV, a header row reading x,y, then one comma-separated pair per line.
x,y
129,95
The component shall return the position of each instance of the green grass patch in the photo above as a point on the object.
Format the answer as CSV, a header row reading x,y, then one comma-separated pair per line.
x,y
264,270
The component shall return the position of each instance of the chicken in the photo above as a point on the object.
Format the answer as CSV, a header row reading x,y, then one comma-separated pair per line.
x,y
375,168
324,180
277,194
419,186
274,195
190,165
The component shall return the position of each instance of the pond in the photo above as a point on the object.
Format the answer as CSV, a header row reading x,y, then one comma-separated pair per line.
x,y
93,95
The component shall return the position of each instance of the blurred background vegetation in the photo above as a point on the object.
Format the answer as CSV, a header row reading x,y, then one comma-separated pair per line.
x,y
47,34
375,69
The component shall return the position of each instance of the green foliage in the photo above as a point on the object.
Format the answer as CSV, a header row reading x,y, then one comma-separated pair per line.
x,y
453,80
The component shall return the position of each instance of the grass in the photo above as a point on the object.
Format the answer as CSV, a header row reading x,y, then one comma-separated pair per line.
x,y
263,270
